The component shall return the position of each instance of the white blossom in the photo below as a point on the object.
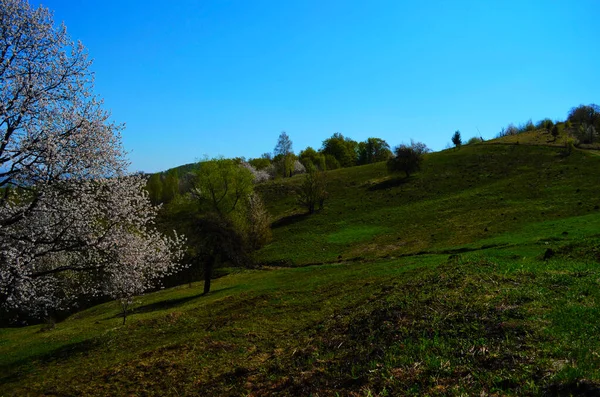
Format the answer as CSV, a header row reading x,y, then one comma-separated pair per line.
x,y
72,222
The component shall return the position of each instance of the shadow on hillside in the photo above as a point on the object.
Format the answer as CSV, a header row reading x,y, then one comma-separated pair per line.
x,y
167,304
389,183
17,370
289,220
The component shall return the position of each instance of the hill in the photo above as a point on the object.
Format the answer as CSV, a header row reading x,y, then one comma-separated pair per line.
x,y
478,275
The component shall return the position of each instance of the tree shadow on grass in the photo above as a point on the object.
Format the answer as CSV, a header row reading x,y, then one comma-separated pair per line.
x,y
389,183
167,304
289,220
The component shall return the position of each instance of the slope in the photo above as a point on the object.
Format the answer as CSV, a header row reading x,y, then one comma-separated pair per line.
x,y
424,299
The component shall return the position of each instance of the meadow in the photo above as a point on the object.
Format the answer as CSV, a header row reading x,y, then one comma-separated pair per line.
x,y
478,275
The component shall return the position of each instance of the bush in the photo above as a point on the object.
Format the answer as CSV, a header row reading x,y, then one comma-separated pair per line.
x,y
473,140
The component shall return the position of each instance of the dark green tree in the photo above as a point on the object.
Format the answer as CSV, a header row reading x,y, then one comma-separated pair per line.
x,y
585,114
407,158
310,158
224,191
373,150
313,191
456,139
344,150
554,131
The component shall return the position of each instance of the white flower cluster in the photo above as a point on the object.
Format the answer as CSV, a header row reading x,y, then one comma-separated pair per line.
x,y
259,175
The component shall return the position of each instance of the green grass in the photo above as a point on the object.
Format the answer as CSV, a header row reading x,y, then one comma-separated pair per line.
x,y
478,275
460,197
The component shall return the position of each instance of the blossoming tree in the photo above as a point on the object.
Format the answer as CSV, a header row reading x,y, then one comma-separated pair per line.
x,y
72,221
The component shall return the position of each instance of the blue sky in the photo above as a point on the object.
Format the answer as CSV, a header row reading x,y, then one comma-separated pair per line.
x,y
194,78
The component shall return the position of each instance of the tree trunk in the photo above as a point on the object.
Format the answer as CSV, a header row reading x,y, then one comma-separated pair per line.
x,y
208,269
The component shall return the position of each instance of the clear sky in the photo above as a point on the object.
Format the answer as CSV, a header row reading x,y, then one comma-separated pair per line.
x,y
218,77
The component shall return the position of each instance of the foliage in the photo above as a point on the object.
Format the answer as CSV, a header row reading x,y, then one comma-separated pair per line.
x,y
312,192
222,186
456,140
373,150
473,140
511,129
586,115
310,158
331,163
258,175
73,224
545,124
586,133
284,155
407,159
258,223
232,219
344,150
554,131
260,163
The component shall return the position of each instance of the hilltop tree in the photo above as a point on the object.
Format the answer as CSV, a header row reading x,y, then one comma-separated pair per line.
x,y
310,158
373,150
407,158
585,114
72,222
554,131
283,151
456,139
344,150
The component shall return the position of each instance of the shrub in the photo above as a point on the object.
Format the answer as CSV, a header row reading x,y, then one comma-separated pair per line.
x,y
474,139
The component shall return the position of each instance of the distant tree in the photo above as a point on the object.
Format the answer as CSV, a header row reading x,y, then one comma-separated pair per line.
x,y
284,151
310,158
586,133
331,163
554,131
511,129
259,175
170,185
344,150
373,150
154,188
407,159
312,192
585,114
456,140
260,163
258,221
545,124
475,139
528,126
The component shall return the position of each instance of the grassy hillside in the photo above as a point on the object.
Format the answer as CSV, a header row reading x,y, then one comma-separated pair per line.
x,y
461,198
478,275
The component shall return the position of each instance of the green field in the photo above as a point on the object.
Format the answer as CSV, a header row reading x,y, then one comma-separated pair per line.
x,y
478,275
